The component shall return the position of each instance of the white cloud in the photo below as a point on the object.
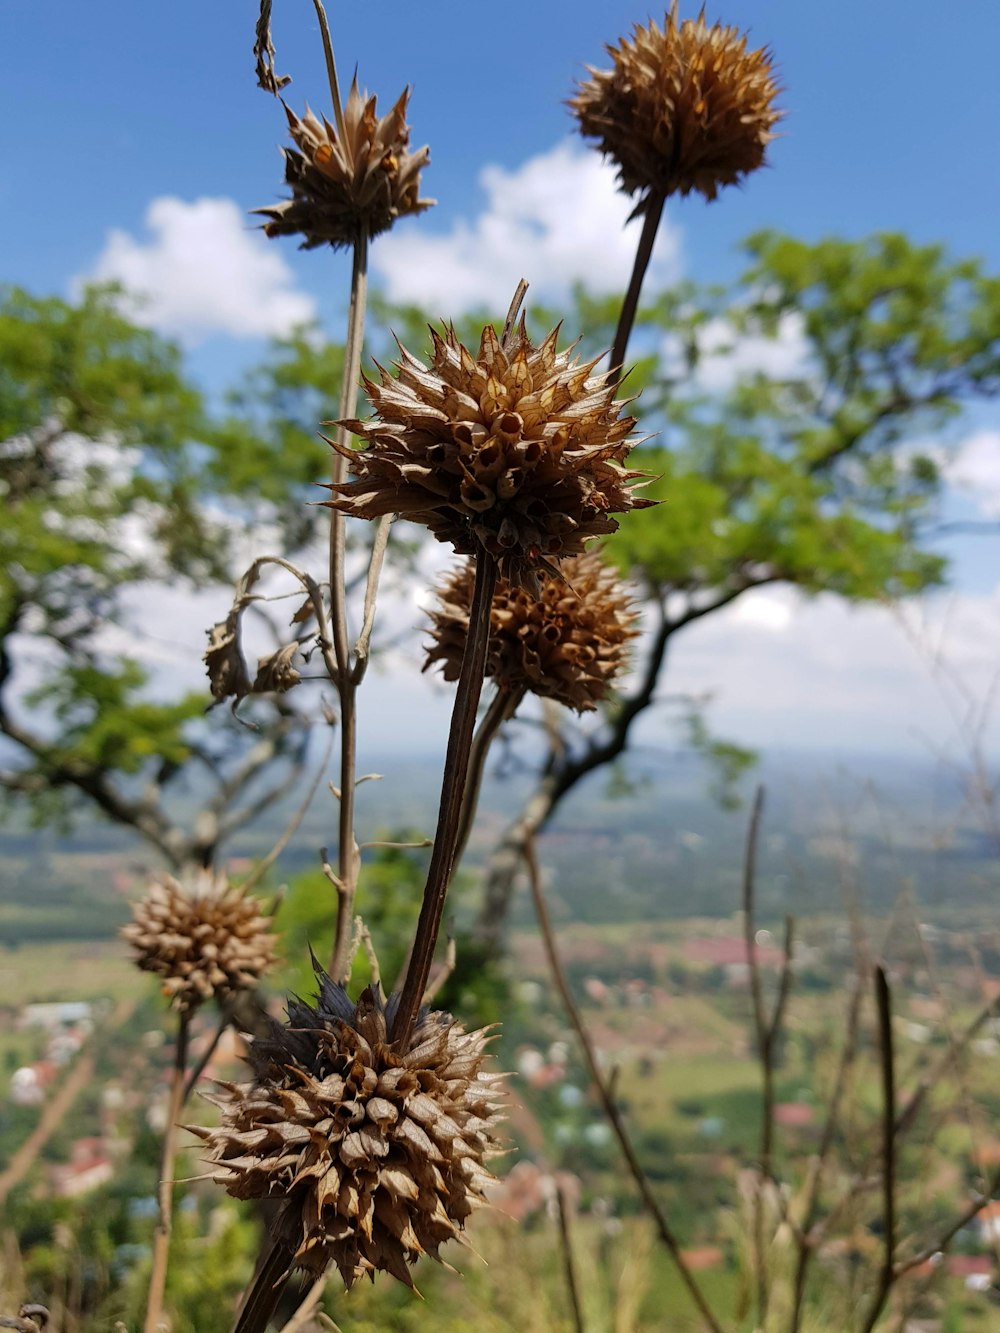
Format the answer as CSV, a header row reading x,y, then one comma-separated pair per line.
x,y
202,269
555,220
975,469
766,608
727,356
786,670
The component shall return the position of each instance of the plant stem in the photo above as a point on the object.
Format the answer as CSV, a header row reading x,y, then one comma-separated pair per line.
x,y
161,1237
348,857
568,1265
450,811
503,706
626,320
883,1005
611,1110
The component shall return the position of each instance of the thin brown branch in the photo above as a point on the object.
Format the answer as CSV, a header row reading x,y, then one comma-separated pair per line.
x,y
331,74
765,1054
663,1228
348,856
944,1238
342,926
202,1063
259,870
569,1266
441,973
375,562
456,769
304,1314
883,1005
502,707
931,1077
652,214
165,1192
261,1298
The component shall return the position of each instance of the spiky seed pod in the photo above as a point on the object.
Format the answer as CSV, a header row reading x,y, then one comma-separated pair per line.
x,y
204,938
366,179
517,450
379,1152
567,644
684,107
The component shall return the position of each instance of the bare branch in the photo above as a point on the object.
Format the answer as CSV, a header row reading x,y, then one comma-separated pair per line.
x,y
664,1230
567,1253
379,544
441,974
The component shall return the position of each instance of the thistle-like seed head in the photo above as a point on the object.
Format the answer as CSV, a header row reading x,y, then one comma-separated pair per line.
x,y
567,644
379,1152
342,184
205,938
517,450
684,107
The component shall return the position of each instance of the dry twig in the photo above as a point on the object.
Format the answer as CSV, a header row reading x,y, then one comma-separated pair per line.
x,y
663,1227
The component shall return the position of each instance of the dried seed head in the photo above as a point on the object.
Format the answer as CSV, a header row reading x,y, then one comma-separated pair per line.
x,y
365,179
567,644
517,450
380,1152
29,1319
684,107
203,938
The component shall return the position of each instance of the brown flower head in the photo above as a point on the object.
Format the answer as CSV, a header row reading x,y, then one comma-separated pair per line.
x,y
567,644
29,1319
365,178
684,107
380,1152
517,450
205,938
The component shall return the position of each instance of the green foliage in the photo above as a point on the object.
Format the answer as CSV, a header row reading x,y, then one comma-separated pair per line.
x,y
105,720
388,898
806,476
110,473
269,444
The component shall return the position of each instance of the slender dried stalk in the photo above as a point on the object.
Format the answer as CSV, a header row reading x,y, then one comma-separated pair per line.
x,y
569,1267
763,1051
303,1315
503,706
664,1230
261,1297
348,856
848,1052
463,722
944,1238
626,319
887,1276
202,1063
165,1193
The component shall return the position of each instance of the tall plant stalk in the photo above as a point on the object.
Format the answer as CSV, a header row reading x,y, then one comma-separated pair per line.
x,y
165,1191
630,305
347,678
453,792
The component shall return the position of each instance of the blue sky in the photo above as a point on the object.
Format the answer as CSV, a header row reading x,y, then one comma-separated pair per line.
x,y
135,141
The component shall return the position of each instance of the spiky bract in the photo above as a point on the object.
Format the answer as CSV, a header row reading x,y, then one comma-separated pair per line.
x,y
378,1152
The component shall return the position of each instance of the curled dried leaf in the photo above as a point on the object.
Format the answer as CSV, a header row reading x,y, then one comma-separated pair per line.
x,y
276,673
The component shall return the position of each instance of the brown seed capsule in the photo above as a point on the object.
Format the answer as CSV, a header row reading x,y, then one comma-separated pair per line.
x,y
205,938
517,450
342,184
567,643
379,1152
684,107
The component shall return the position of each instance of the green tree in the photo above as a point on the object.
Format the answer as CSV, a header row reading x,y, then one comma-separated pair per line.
x,y
806,478
114,480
